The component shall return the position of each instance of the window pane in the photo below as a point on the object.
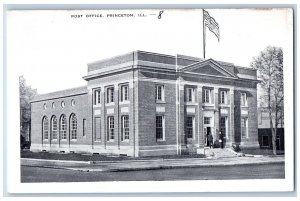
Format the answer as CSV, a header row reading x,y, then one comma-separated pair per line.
x,y
54,128
97,128
45,128
244,127
97,97
160,92
110,95
125,128
110,127
243,99
159,127
206,120
206,95
73,127
223,97
189,127
84,127
63,127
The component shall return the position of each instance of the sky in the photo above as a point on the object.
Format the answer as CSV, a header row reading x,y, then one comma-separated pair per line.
x,y
51,49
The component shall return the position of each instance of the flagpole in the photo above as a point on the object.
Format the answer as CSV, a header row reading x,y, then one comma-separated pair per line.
x,y
204,34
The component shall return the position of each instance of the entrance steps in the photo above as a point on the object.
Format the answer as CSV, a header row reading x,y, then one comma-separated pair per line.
x,y
221,153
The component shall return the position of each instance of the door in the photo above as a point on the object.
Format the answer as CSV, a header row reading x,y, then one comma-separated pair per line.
x,y
207,131
278,147
223,126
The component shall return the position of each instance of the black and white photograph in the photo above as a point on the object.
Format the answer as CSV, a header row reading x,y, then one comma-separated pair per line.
x,y
181,99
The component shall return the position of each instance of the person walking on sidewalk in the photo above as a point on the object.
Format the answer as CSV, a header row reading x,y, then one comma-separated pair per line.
x,y
210,139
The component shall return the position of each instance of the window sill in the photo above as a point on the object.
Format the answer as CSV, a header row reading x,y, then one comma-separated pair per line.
x,y
224,105
125,141
63,140
110,104
74,140
98,105
124,102
54,140
191,103
97,140
45,140
208,104
111,141
160,101
160,140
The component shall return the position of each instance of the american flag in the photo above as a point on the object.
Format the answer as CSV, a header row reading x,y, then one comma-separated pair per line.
x,y
211,24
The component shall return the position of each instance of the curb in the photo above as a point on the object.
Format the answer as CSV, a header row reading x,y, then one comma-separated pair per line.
x,y
46,162
84,165
127,169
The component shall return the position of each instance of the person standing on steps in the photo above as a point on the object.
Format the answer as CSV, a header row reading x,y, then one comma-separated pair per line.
x,y
210,139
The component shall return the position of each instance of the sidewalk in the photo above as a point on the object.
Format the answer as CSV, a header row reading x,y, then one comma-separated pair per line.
x,y
151,164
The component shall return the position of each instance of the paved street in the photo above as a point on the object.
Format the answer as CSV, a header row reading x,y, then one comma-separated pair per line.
x,y
255,171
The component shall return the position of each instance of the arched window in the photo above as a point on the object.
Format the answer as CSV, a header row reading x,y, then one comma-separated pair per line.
x,y
63,127
45,128
73,102
63,104
54,128
73,127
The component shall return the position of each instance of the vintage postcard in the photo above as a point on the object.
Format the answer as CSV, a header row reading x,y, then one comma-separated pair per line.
x,y
150,100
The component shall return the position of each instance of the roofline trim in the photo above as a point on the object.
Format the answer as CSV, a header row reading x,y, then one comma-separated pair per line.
x,y
207,61
41,100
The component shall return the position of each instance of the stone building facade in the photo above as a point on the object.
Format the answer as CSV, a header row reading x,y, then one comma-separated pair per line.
x,y
142,103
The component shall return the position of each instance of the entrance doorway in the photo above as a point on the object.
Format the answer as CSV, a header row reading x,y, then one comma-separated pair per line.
x,y
223,126
207,131
278,147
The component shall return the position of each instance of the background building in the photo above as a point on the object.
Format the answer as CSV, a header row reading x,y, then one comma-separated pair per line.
x,y
265,133
144,103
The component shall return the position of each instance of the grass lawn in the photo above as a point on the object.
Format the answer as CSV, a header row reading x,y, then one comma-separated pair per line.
x,y
95,157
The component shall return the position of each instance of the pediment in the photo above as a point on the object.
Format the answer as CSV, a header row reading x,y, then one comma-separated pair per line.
x,y
208,67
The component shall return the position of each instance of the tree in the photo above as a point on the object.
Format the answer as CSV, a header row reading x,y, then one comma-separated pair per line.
x,y
26,95
269,64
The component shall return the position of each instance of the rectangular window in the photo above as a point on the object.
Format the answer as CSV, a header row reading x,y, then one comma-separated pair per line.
x,y
110,95
160,93
97,129
190,127
190,94
244,127
160,127
124,93
110,128
223,97
97,97
125,128
244,99
84,127
207,120
207,96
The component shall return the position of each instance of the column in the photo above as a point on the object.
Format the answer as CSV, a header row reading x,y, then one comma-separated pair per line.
x,y
201,139
231,116
216,113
